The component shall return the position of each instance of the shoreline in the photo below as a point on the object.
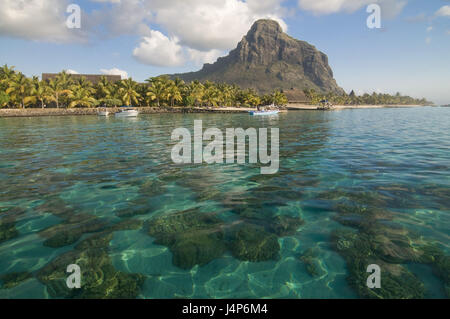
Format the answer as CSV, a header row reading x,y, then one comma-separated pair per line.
x,y
306,107
36,112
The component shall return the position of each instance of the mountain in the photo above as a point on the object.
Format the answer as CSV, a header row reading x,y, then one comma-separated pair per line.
x,y
268,59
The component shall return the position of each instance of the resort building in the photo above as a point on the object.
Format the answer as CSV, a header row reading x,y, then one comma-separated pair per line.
x,y
296,96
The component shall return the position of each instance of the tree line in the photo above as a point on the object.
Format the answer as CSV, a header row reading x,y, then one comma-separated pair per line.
x,y
18,91
365,99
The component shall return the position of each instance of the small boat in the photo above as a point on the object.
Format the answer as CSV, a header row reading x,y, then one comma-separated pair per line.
x,y
275,112
127,113
103,113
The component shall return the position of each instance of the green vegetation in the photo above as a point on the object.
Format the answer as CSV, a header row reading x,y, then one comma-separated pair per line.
x,y
359,251
366,99
18,91
253,243
311,261
193,238
7,231
198,238
14,279
100,279
376,238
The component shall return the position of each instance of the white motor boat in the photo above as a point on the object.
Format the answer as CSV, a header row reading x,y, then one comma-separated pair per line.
x,y
103,113
127,113
264,112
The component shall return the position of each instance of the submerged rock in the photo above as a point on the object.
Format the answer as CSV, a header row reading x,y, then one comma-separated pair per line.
x,y
253,243
196,249
71,231
99,278
7,231
285,225
358,251
440,264
131,212
394,246
311,261
14,279
193,238
73,226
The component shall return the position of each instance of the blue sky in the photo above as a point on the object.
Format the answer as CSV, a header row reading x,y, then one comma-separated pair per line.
x,y
409,54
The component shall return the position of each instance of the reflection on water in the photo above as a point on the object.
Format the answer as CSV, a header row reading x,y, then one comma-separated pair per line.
x,y
356,187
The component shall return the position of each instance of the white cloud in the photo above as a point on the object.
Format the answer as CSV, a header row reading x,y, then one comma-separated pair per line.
x,y
124,17
202,25
159,50
428,40
429,29
41,20
390,8
197,29
201,57
213,24
69,71
444,11
115,71
332,6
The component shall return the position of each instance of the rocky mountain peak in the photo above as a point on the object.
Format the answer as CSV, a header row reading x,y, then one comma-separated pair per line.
x,y
266,59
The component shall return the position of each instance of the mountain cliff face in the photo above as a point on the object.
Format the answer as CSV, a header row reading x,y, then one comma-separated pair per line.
x,y
268,59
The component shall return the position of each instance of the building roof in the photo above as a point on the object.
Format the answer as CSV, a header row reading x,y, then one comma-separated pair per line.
x,y
295,95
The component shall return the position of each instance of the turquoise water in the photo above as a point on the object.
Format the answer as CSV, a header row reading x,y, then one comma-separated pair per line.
x,y
87,190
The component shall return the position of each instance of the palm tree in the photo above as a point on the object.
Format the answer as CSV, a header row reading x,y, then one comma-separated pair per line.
x,y
179,83
279,98
176,90
158,89
81,97
103,88
39,93
228,94
56,89
174,93
6,74
19,88
4,99
196,92
83,83
211,95
249,97
128,91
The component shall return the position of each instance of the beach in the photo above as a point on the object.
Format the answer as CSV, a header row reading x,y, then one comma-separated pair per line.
x,y
32,112
293,107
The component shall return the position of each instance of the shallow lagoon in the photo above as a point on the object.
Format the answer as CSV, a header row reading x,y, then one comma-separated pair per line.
x,y
89,189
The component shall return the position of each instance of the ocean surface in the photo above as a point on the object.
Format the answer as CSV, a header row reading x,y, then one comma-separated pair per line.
x,y
354,187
